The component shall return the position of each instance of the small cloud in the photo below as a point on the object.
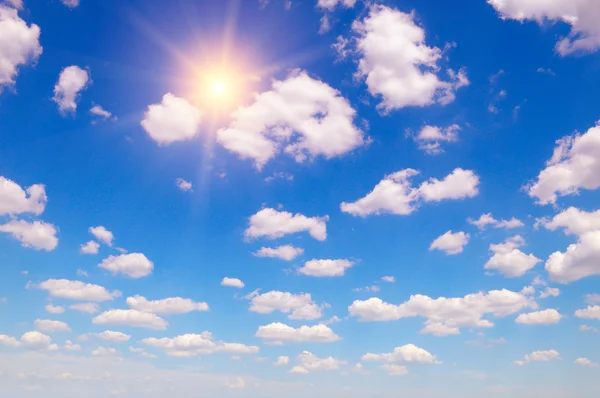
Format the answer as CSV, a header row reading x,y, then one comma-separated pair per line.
x,y
184,185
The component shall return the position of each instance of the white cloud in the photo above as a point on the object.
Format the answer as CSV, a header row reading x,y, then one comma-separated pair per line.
x,y
232,282
389,279
582,15
71,82
168,306
299,306
325,268
550,292
591,312
175,119
539,356
18,4
102,234
429,138
114,337
285,252
397,64
183,184
90,308
19,44
54,309
396,195
9,341
276,224
90,247
300,116
575,165
36,235
372,288
133,318
592,298
81,272
394,370
16,200
407,354
282,361
309,362
445,315
588,328
134,265
330,5
545,317
99,111
70,3
69,346
585,362
488,219
50,326
37,341
299,370
574,221
141,352
279,333
509,260
76,290
580,260
450,243
190,345
105,352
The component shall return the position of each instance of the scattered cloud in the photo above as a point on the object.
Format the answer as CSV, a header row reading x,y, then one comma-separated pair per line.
x,y
539,356
232,282
282,361
591,312
91,247
191,345
89,308
134,265
133,318
285,252
183,185
585,362
275,224
573,221
430,138
309,362
450,243
389,279
77,290
36,235
580,260
325,268
487,219
545,317
298,306
50,326
279,333
114,337
168,306
174,119
71,82
102,113
509,260
54,309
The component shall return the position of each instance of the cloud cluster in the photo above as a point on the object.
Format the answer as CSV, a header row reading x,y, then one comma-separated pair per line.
x,y
509,260
299,306
190,345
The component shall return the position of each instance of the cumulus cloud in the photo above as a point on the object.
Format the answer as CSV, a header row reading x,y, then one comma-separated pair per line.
x,y
134,265
89,308
232,282
330,5
591,312
389,279
36,235
70,3
509,260
309,362
430,138
190,345
488,219
19,44
105,352
585,362
279,333
114,337
133,318
16,200
90,247
71,82
580,260
396,195
574,221
282,361
300,116
183,185
407,354
445,316
168,306
325,268
34,341
77,290
397,64
275,224
102,234
582,15
285,252
575,165
100,112
174,119
299,306
550,292
50,326
450,242
539,356
545,317
54,309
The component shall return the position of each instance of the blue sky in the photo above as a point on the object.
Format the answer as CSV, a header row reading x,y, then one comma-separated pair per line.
x,y
330,197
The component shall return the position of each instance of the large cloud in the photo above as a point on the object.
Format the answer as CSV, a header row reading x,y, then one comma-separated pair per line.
x,y
580,260
174,119
133,318
509,260
274,224
279,333
71,82
189,345
16,200
545,317
76,290
574,221
300,116
450,242
37,235
134,265
299,306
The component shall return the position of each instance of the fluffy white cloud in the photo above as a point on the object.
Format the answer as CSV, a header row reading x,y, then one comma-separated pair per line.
x,y
133,318
450,243
396,195
300,116
397,64
190,345
19,45
591,312
407,354
550,292
91,247
299,306
582,15
445,315
325,268
77,290
232,282
575,164
545,317
69,346
70,3
9,341
168,306
585,362
114,337
282,361
580,260
174,119
330,5
389,279
90,308
183,184
105,352
309,362
509,260
99,111
430,138
71,82
487,219
539,356
50,326
16,200
275,224
134,265
36,235
574,221
102,234
37,341
279,333
54,309
285,252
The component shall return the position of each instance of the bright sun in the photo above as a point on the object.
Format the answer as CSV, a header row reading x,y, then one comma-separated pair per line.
x,y
221,89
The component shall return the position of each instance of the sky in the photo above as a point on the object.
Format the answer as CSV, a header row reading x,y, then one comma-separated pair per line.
x,y
341,198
